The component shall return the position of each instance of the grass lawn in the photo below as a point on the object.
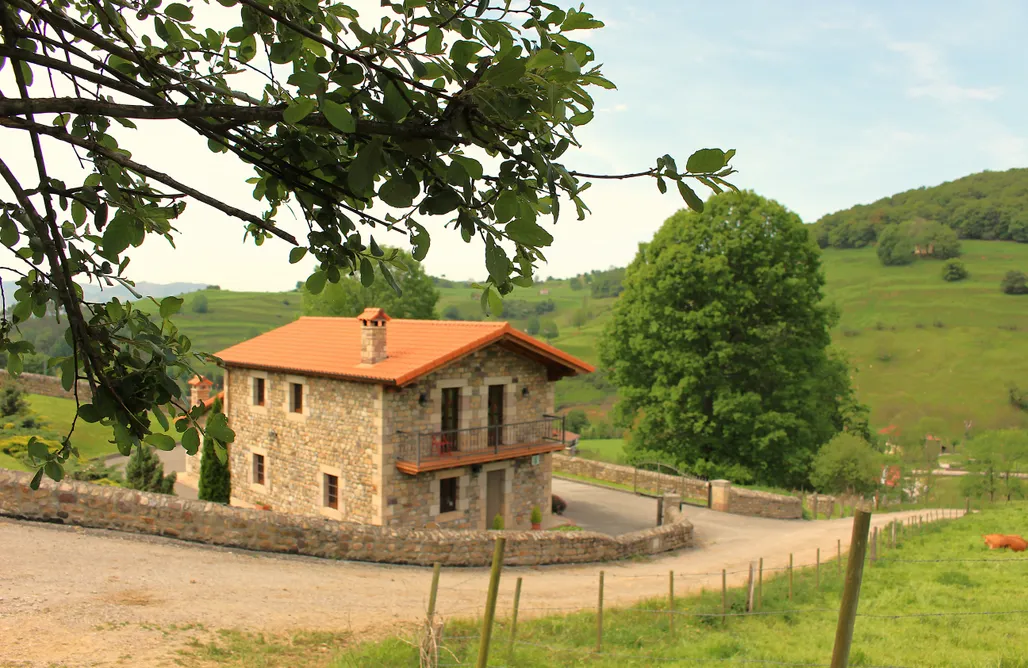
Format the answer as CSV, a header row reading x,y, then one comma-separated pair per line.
x,y
603,449
802,630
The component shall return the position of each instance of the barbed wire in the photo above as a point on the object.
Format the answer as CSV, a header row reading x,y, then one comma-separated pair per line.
x,y
954,561
942,614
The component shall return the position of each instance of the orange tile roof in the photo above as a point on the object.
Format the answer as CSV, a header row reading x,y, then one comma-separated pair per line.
x,y
331,347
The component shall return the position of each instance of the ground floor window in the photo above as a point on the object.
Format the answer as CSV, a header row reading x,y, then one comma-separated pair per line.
x,y
448,495
258,469
331,485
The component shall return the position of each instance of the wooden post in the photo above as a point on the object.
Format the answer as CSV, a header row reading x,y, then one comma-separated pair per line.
x,y
760,586
790,576
671,601
817,570
660,510
724,596
490,603
436,567
599,617
751,588
851,590
514,622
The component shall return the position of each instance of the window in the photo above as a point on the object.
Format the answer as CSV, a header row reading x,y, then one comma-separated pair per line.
x,y
258,391
296,397
331,491
448,495
258,469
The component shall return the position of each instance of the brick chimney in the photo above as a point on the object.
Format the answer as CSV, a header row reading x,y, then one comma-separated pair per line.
x,y
199,390
373,335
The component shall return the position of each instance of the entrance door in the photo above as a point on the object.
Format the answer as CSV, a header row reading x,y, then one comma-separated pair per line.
x,y
450,420
494,496
495,415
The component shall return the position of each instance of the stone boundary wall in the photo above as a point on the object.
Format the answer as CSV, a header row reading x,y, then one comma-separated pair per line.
x,y
121,509
740,501
50,386
625,475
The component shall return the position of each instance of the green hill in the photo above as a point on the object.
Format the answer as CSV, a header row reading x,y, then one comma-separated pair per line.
x,y
988,206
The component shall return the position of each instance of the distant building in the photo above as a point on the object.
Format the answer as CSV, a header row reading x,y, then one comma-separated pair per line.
x,y
544,291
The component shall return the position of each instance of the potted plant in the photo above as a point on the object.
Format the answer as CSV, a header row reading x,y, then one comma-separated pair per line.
x,y
498,522
537,518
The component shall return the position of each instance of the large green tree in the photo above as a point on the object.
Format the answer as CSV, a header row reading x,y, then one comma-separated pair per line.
x,y
719,344
416,297
438,113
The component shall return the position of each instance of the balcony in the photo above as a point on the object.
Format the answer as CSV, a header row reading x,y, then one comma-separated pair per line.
x,y
418,452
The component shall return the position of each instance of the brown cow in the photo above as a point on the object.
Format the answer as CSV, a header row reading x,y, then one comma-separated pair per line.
x,y
998,540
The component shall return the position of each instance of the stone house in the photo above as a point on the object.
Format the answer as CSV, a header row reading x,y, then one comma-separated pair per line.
x,y
400,423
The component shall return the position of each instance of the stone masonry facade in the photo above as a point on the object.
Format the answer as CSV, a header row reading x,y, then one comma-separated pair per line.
x,y
355,431
119,509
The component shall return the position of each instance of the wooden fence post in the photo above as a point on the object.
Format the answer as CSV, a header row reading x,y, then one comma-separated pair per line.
x,y
671,602
751,588
790,576
514,621
599,618
724,596
760,586
490,603
430,619
851,590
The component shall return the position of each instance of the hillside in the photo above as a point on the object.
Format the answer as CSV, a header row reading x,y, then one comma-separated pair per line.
x,y
988,206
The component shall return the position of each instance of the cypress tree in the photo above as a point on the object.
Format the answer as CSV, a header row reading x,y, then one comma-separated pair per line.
x,y
145,472
215,480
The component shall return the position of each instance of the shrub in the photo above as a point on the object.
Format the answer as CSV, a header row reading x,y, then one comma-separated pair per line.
x,y
919,325
576,421
215,480
199,304
498,522
537,515
847,463
880,326
884,356
850,333
549,330
12,401
954,270
145,472
31,422
451,312
533,326
1014,283
557,505
938,324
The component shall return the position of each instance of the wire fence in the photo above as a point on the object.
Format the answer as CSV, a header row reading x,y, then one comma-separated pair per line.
x,y
666,614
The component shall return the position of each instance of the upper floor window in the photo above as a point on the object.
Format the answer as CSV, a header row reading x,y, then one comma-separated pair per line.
x,y
295,398
258,391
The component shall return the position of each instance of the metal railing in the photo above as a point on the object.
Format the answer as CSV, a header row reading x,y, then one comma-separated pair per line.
x,y
433,445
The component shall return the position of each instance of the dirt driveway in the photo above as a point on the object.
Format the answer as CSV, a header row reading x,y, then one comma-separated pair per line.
x,y
605,510
83,597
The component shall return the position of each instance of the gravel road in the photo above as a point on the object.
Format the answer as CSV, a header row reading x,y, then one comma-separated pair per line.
x,y
82,597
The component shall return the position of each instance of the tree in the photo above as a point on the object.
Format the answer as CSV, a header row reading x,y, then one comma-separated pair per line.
x,y
451,312
894,247
954,270
719,345
362,126
549,330
576,421
12,400
575,283
1014,283
145,472
994,455
348,297
533,326
580,317
846,464
199,304
215,478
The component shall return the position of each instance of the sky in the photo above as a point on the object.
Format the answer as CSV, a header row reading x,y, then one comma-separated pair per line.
x,y
828,105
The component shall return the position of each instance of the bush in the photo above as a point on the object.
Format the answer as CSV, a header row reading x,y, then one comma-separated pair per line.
x,y
451,312
498,522
894,247
12,401
537,515
1014,283
215,480
848,464
533,327
576,421
549,330
954,270
145,472
557,505
199,304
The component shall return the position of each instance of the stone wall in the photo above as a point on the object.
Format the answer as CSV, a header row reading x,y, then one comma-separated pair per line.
x,y
628,475
122,509
50,386
726,497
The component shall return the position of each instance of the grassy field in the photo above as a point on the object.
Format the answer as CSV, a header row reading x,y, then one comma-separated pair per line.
x,y
897,626
603,449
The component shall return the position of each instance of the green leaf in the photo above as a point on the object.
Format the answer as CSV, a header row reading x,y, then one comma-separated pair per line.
x,y
495,301
580,21
529,233
507,72
367,272
522,281
89,413
191,441
297,254
706,160
691,198
542,59
376,250
316,282
420,241
463,51
298,110
161,441
36,479
54,471
170,306
179,12
471,166
581,119
360,175
78,212
338,116
496,263
397,192
506,206
38,449
389,279
434,41
441,202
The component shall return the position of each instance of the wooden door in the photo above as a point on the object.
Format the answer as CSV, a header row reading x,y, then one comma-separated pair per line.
x,y
450,419
495,499
495,415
